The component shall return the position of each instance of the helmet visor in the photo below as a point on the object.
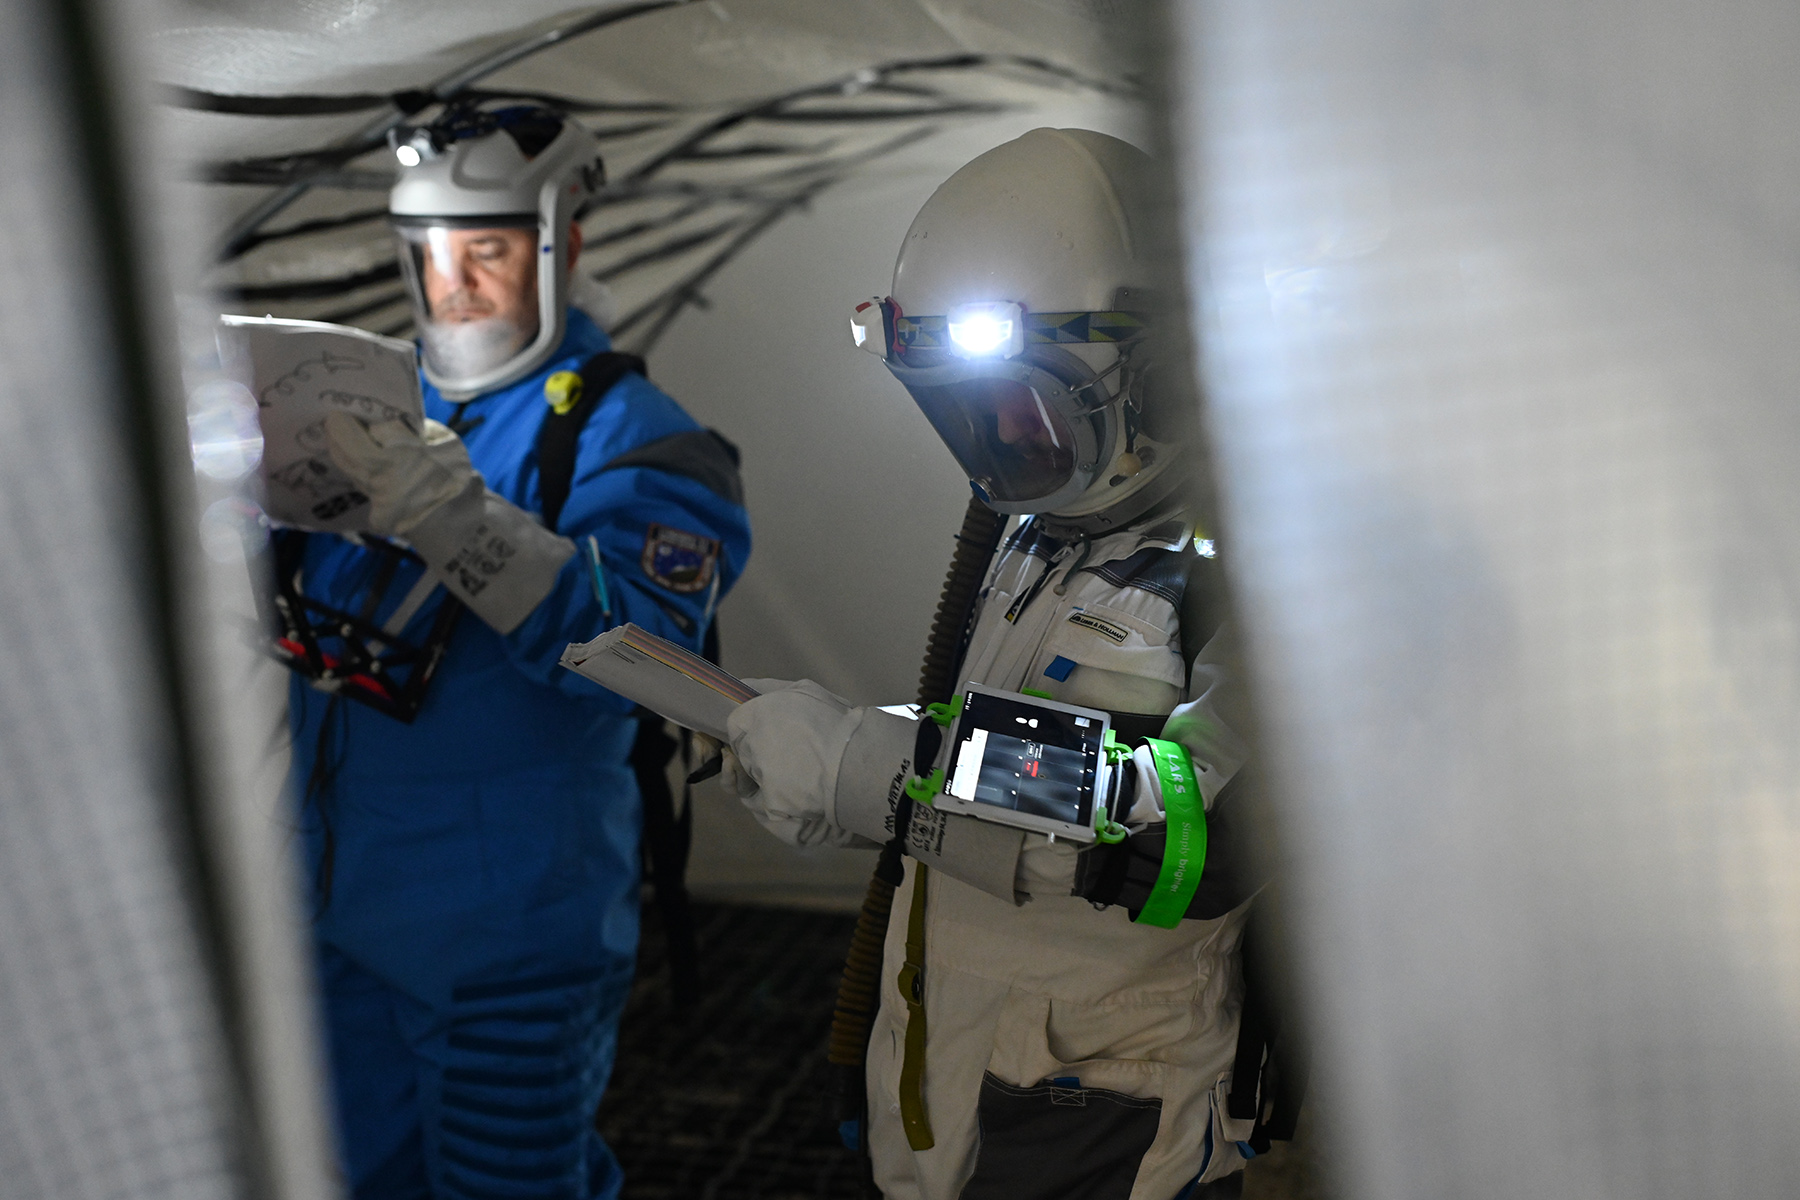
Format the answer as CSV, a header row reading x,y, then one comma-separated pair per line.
x,y
1005,437
474,291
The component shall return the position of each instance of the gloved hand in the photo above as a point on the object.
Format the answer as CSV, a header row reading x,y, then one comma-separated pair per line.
x,y
491,554
818,771
407,475
787,745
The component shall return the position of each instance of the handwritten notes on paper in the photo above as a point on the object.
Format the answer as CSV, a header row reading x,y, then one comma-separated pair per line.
x,y
299,371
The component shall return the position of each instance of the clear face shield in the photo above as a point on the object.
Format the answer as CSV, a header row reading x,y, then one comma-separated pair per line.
x,y
1021,432
474,291
1030,423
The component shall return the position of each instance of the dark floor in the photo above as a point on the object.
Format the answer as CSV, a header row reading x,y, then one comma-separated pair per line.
x,y
734,1101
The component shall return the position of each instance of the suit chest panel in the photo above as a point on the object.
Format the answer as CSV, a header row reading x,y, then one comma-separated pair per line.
x,y
1096,623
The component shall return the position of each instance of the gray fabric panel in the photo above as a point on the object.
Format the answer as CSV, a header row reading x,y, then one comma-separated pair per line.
x,y
979,853
874,768
699,454
1059,1143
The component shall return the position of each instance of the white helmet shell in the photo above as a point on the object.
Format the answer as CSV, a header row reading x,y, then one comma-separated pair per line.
x,y
488,179
1045,220
1058,221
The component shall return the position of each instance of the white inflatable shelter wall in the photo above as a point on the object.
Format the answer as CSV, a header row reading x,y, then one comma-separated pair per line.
x,y
1500,340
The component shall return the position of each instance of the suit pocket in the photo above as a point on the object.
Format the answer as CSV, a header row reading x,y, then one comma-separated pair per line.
x,y
1058,1140
1062,1118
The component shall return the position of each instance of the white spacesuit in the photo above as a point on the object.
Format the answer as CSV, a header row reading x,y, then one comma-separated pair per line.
x,y
1070,1050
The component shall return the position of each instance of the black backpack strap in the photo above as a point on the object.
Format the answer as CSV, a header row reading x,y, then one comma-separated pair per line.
x,y
668,838
707,457
1270,1073
558,434
1203,604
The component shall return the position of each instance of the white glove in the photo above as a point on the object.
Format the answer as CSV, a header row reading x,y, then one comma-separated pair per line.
x,y
407,475
817,771
786,747
490,553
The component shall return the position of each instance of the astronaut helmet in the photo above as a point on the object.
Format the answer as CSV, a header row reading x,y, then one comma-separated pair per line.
x,y
1020,322
482,212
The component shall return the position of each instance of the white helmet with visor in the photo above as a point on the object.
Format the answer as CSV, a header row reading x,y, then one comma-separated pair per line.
x,y
482,211
1019,322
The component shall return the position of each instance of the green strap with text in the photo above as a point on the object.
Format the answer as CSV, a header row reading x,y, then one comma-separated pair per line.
x,y
1184,845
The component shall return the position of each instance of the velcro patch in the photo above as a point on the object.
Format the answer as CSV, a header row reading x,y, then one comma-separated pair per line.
x,y
1106,629
678,560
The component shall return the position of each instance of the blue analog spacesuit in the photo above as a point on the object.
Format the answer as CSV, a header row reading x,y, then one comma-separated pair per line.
x,y
476,871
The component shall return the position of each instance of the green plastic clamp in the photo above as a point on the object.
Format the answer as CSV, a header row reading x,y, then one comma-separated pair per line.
x,y
1109,831
1116,751
1184,847
1040,694
945,714
924,788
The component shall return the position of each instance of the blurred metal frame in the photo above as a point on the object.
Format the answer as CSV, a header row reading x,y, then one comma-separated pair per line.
x,y
160,1039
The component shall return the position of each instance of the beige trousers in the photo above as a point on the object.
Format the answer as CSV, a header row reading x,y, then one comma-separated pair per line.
x,y
1048,989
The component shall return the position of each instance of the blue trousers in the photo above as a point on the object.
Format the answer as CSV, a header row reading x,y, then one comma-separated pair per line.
x,y
492,1098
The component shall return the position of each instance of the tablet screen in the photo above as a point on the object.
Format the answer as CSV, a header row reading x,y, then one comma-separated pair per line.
x,y
1011,753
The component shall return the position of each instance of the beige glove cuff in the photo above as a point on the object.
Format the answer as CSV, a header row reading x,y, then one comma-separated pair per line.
x,y
491,554
874,769
871,776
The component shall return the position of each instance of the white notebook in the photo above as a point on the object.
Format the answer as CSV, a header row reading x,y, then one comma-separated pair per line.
x,y
299,371
661,676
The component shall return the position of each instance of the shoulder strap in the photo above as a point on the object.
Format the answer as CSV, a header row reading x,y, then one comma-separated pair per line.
x,y
557,435
1203,602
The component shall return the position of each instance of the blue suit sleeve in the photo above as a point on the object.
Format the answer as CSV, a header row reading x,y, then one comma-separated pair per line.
x,y
668,547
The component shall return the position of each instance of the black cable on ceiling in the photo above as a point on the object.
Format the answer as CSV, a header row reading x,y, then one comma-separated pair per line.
x,y
321,105
321,225
310,289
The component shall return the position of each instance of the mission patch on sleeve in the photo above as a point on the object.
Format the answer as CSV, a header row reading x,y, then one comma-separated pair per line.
x,y
679,560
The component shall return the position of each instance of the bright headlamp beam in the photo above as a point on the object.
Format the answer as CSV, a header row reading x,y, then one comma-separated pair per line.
x,y
408,155
981,333
986,329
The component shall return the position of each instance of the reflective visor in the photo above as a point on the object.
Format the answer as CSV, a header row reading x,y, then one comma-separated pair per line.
x,y
1002,434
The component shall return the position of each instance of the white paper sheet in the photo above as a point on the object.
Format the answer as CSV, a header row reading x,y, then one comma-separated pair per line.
x,y
299,371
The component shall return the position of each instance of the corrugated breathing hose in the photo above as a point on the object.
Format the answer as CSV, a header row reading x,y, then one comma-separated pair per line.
x,y
859,991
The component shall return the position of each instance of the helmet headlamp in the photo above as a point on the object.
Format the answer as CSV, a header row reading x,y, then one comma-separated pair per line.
x,y
416,144
987,329
994,329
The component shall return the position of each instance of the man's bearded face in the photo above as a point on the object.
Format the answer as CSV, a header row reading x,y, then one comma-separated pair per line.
x,y
482,274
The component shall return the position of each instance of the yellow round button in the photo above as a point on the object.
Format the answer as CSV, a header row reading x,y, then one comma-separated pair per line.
x,y
562,391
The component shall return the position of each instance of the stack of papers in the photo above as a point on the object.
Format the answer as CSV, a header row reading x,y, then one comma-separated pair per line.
x,y
661,676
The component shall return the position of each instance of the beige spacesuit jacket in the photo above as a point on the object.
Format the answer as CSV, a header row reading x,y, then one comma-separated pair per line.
x,y
1043,986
